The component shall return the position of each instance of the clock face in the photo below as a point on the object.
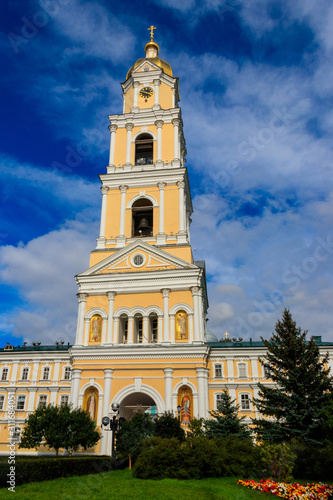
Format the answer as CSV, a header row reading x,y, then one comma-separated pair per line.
x,y
146,92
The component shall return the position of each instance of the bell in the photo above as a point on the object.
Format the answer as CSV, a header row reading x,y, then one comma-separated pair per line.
x,y
143,223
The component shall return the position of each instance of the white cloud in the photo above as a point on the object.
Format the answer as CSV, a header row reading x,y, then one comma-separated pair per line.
x,y
43,272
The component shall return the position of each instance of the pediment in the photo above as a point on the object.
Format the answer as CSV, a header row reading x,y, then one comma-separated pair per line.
x,y
138,257
146,66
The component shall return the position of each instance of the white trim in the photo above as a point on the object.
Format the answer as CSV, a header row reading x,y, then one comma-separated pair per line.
x,y
145,132
220,363
179,307
96,310
121,310
90,384
244,393
139,197
145,389
144,259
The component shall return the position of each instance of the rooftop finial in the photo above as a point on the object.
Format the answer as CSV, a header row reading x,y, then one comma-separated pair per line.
x,y
151,29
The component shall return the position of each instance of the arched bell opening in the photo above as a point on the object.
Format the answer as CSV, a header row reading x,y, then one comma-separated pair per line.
x,y
144,150
153,328
142,218
123,329
138,329
137,402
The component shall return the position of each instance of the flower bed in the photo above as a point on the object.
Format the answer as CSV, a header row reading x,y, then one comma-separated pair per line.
x,y
292,491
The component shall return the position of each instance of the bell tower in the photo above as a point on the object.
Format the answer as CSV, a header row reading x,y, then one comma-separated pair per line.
x,y
143,256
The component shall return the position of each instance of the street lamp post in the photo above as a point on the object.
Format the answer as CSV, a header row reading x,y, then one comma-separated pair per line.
x,y
178,411
114,424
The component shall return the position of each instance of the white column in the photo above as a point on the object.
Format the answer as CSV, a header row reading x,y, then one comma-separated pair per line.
x,y
196,312
82,298
13,376
160,329
130,329
105,445
123,190
75,389
111,297
159,124
254,365
202,391
31,400
166,335
53,397
135,97
201,315
129,128
173,97
168,388
230,368
55,377
112,129
86,331
176,138
181,186
161,187
145,330
104,190
157,94
115,332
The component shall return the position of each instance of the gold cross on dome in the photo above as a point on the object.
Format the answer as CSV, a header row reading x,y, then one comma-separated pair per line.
x,y
151,29
226,335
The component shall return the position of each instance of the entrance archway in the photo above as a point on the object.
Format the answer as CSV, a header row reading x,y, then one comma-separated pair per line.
x,y
137,402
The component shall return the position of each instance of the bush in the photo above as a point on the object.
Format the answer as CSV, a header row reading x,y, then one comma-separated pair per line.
x,y
42,469
196,458
313,463
278,461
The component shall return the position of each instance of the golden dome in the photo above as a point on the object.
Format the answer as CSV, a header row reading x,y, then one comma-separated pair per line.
x,y
151,50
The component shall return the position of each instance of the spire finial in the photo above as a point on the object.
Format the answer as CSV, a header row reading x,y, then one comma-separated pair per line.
x,y
151,29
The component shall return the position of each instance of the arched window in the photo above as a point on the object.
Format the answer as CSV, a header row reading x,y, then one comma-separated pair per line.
x,y
144,150
142,218
138,329
123,329
153,327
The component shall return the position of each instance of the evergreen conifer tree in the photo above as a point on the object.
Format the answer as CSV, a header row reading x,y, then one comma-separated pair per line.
x,y
297,403
225,421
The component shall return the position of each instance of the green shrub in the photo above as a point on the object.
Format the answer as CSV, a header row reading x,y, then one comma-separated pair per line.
x,y
313,463
196,458
41,469
278,461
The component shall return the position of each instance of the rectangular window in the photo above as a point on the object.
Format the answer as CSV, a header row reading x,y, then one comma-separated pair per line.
x,y
46,373
218,371
4,374
154,330
20,403
42,400
242,370
218,399
245,402
25,373
2,402
16,435
67,373
64,400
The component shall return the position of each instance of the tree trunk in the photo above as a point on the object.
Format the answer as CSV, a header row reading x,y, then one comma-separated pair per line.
x,y
130,461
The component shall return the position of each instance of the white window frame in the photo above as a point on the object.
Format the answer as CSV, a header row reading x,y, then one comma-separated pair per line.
x,y
62,403
216,365
20,398
5,370
67,369
40,403
217,398
48,370
239,366
16,435
247,398
2,402
25,373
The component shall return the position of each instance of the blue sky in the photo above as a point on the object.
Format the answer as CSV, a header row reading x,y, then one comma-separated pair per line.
x,y
256,81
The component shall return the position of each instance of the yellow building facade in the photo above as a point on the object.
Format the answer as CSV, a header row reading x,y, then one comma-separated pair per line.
x,y
141,338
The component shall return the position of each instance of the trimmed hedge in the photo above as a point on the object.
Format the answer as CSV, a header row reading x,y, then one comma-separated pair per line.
x,y
43,469
313,463
197,458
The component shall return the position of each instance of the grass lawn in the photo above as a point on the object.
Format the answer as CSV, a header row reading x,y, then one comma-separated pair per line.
x,y
118,485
